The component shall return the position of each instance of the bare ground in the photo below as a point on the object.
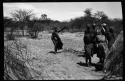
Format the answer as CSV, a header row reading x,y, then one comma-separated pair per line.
x,y
65,65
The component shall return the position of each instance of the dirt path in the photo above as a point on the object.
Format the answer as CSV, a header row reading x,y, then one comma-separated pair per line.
x,y
64,65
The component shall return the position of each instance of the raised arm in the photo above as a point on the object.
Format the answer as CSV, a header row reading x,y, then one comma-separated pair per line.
x,y
61,29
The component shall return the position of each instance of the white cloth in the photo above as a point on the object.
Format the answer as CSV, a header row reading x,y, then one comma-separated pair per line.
x,y
101,38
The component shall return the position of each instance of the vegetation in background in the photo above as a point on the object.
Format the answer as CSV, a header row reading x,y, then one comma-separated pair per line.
x,y
23,19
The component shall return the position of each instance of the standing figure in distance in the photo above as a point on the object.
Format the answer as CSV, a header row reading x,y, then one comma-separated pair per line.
x,y
56,40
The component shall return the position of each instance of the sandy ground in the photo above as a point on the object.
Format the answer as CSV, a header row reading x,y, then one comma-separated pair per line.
x,y
64,65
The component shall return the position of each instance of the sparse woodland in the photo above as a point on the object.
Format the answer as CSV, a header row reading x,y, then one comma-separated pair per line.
x,y
28,59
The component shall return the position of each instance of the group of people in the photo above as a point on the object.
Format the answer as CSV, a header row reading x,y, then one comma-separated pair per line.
x,y
97,39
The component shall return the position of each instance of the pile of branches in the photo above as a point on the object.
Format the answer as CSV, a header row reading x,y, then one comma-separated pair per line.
x,y
114,60
15,57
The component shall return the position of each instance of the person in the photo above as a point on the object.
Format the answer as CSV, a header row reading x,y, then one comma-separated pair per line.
x,y
112,32
104,29
111,38
56,39
109,34
94,50
101,44
88,45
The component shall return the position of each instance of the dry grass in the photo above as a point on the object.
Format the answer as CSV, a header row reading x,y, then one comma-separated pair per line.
x,y
114,60
15,58
43,65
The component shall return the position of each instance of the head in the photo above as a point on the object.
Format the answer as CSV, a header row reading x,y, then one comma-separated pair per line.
x,y
98,31
54,29
88,27
111,29
104,24
93,25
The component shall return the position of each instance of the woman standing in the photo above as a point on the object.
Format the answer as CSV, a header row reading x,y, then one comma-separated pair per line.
x,y
56,40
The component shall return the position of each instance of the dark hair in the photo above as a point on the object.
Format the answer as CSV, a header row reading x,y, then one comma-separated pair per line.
x,y
93,26
110,29
87,29
55,29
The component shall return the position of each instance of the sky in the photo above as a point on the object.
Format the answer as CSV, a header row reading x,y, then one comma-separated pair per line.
x,y
64,11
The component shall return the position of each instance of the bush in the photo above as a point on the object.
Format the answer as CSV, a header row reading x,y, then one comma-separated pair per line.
x,y
10,37
14,62
114,60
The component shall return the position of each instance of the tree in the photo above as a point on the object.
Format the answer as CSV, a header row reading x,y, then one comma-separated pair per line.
x,y
44,17
101,17
36,29
88,12
9,26
23,16
7,22
88,16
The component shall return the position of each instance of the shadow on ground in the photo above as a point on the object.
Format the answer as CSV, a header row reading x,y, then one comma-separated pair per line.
x,y
81,55
53,52
98,67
